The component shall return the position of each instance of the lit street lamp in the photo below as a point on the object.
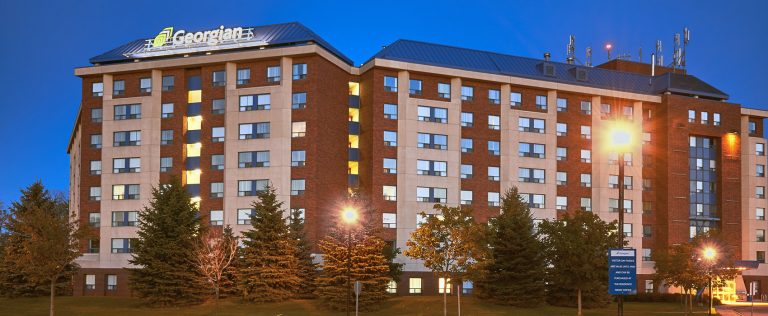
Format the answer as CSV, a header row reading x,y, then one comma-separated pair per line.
x,y
349,216
710,254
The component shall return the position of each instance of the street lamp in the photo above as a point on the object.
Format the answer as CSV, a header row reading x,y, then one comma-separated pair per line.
x,y
620,140
710,254
349,216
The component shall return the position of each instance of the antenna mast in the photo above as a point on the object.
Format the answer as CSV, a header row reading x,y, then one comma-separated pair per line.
x,y
589,57
686,39
659,55
571,50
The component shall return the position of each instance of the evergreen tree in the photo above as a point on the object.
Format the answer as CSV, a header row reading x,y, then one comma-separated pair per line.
x,y
164,254
269,271
307,267
577,252
514,272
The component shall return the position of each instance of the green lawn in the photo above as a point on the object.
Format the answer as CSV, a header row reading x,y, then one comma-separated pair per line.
x,y
424,305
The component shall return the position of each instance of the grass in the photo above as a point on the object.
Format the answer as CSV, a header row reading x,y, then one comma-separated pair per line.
x,y
411,305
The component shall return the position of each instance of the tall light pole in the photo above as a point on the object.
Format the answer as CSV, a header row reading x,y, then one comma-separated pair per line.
x,y
621,141
349,216
710,254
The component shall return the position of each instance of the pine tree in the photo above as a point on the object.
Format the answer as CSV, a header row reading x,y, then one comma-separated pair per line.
x,y
515,269
269,271
307,267
164,256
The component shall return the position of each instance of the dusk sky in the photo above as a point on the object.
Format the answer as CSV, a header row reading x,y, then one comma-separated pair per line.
x,y
43,41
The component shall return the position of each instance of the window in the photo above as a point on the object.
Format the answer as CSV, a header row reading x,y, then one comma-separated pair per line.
x,y
647,207
586,204
466,172
218,106
515,99
262,102
414,285
562,105
166,163
94,194
122,245
586,155
389,220
389,192
145,85
586,107
647,254
494,122
562,153
118,87
432,114
541,102
96,115
605,111
467,93
704,118
647,231
760,192
95,167
494,96
494,148
168,82
298,158
90,281
299,100
126,165
94,219
390,84
444,90
561,178
716,119
298,186
129,218
217,134
586,132
760,235
390,138
432,168
390,165
561,203
127,112
244,216
613,206
627,229
217,189
432,141
166,137
167,110
414,87
752,127
251,187
431,195
530,175
301,214
298,129
691,116
467,145
760,149
254,130
760,213
392,287
217,218
273,73
442,287
586,180
299,72
390,111
525,124
531,150
467,119
125,192
628,112
253,159
533,200
494,174
646,138
562,129
243,76
648,286
96,140
97,89
760,256
217,162
465,197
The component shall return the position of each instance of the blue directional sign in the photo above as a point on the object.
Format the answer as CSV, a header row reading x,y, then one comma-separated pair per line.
x,y
622,271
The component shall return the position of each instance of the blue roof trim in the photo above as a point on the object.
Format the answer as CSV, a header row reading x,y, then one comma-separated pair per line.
x,y
293,33
508,65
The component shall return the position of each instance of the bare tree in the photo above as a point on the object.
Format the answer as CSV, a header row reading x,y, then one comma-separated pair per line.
x,y
214,253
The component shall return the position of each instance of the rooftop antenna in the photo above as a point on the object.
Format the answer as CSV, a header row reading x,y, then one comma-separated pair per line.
x,y
676,53
570,51
659,55
686,39
640,54
589,57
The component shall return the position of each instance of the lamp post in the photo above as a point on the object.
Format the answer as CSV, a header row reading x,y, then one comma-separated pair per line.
x,y
621,141
710,254
349,216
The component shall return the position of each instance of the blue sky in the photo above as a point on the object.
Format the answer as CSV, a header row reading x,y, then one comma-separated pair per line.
x,y
44,40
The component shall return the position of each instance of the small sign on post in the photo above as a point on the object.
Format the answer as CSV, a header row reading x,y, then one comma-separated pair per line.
x,y
622,271
358,288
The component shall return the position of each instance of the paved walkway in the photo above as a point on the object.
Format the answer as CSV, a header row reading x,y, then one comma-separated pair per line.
x,y
743,309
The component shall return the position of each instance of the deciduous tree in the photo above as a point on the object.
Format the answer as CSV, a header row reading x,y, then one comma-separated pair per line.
x,y
214,253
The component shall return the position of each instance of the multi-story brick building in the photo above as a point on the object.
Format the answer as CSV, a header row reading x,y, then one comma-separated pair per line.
x,y
417,124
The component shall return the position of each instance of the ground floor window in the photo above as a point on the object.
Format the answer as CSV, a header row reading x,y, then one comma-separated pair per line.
x,y
111,282
648,286
467,287
392,287
90,281
443,287
414,286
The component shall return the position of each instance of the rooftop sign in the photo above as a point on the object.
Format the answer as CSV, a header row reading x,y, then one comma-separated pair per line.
x,y
170,42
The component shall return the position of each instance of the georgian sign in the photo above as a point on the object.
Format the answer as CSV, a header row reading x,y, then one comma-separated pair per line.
x,y
170,42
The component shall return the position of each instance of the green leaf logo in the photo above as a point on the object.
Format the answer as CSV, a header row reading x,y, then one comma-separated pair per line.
x,y
163,37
